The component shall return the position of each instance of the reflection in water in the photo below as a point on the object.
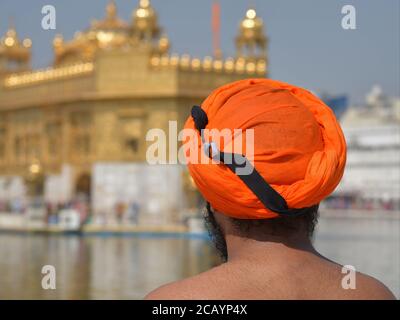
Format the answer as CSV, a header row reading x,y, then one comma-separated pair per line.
x,y
95,267
371,244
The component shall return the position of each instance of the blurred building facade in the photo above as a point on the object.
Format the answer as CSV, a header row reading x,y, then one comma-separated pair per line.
x,y
372,175
65,130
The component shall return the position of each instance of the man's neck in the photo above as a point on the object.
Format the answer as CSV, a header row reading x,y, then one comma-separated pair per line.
x,y
274,250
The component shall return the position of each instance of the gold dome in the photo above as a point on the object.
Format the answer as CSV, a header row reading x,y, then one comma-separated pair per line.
x,y
11,40
252,27
111,20
251,41
145,20
110,32
12,48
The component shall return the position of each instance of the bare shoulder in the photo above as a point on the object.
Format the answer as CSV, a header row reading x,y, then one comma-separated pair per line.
x,y
178,290
370,288
224,282
202,286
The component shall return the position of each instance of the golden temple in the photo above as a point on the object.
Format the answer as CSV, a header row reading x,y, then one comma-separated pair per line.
x,y
106,88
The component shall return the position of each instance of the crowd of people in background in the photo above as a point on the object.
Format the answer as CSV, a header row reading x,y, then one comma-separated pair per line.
x,y
122,212
128,213
13,206
357,203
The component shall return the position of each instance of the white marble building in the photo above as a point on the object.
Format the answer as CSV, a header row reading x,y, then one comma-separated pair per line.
x,y
373,159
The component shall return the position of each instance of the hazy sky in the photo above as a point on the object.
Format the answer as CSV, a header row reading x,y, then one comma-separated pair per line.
x,y
308,46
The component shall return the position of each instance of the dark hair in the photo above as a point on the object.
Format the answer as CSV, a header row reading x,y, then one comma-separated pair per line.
x,y
281,226
215,233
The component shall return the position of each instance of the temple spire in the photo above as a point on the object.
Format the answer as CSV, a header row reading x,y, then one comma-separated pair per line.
x,y
111,10
251,42
145,22
14,54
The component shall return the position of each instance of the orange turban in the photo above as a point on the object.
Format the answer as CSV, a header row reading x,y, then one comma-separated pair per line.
x,y
299,147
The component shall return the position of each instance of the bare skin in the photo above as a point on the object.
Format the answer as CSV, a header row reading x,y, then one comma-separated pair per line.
x,y
261,267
